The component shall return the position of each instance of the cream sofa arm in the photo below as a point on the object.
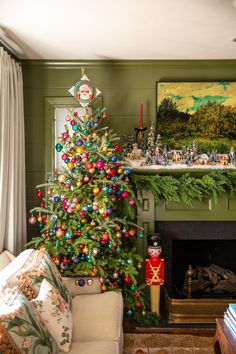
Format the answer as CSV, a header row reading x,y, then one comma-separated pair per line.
x,y
98,317
5,258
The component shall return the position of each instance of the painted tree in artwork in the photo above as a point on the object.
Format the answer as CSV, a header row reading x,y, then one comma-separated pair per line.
x,y
81,215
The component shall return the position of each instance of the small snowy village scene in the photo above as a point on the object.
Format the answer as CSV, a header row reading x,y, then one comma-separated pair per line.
x,y
150,152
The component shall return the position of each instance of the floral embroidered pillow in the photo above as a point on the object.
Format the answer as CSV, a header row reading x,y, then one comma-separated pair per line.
x,y
55,315
42,267
20,328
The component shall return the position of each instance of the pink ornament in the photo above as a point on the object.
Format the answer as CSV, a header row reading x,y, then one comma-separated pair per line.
x,y
99,164
73,122
126,234
69,210
68,118
82,213
32,220
125,194
64,157
95,207
66,207
85,155
65,135
73,160
106,167
75,200
131,201
91,170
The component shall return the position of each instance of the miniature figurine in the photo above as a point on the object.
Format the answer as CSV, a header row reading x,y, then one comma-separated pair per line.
x,y
154,270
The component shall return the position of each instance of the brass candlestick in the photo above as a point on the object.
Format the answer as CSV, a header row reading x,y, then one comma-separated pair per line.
x,y
190,276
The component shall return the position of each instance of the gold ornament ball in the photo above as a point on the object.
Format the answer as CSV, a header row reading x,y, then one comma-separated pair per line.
x,y
85,250
59,233
139,266
79,184
83,221
105,148
96,190
120,170
78,206
79,149
70,165
87,116
103,287
118,234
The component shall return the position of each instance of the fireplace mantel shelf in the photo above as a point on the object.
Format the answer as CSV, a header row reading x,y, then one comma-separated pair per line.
x,y
177,169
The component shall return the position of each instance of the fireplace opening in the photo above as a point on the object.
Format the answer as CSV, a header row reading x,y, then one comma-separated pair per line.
x,y
213,264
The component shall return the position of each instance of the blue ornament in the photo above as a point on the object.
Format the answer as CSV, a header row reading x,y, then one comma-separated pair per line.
x,y
89,124
127,171
57,199
81,282
59,147
79,142
141,235
129,312
118,249
53,217
67,160
75,260
114,179
113,158
109,210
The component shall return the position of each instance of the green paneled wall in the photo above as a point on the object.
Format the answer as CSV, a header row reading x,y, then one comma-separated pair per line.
x,y
123,84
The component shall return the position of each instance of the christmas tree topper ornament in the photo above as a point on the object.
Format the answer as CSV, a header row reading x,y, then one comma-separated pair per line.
x,y
84,91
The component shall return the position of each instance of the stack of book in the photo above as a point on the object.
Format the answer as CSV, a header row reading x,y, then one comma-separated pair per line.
x,y
230,318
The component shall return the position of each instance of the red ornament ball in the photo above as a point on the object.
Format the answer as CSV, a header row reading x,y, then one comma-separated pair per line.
x,y
139,304
116,147
39,194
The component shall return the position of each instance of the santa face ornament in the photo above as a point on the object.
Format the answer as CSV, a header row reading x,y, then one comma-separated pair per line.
x,y
84,91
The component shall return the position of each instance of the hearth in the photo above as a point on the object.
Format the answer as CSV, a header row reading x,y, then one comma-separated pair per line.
x,y
198,244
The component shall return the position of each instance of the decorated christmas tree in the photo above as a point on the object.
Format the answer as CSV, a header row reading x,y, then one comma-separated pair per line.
x,y
87,208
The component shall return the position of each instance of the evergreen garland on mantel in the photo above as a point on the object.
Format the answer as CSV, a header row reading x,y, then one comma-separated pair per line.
x,y
186,188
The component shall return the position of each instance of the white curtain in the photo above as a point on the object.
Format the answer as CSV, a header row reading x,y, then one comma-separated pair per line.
x,y
12,156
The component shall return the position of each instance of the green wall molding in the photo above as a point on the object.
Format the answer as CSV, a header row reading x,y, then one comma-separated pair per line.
x,y
130,63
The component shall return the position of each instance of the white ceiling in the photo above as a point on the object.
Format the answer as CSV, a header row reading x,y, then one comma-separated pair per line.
x,y
121,29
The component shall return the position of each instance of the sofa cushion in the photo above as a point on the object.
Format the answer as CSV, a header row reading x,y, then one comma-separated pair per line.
x,y
20,263
55,315
28,271
5,258
98,347
20,327
101,317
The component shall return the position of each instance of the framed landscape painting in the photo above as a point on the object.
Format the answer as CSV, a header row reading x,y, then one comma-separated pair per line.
x,y
204,112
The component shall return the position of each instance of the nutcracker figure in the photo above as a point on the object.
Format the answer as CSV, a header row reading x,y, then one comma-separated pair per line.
x,y
154,270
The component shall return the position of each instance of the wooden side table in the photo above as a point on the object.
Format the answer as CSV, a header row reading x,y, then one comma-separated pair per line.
x,y
224,340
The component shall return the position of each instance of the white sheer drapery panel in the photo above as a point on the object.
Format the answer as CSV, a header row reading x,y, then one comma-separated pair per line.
x,y
12,156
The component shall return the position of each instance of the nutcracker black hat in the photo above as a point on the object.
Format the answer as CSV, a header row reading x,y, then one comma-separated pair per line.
x,y
154,240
